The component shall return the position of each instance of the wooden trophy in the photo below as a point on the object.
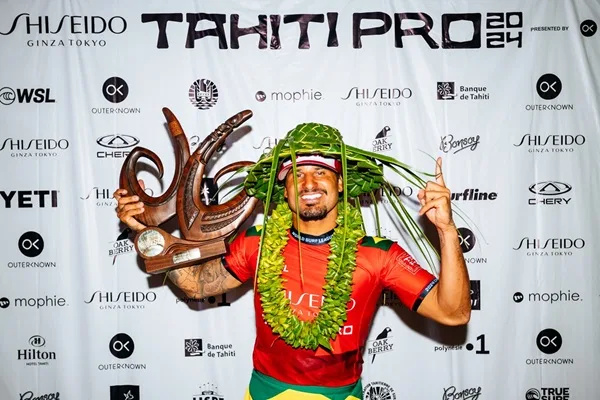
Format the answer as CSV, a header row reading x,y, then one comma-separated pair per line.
x,y
205,228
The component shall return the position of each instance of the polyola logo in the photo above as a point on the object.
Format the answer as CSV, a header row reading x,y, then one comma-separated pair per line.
x,y
31,244
121,345
115,89
31,95
548,86
203,94
549,341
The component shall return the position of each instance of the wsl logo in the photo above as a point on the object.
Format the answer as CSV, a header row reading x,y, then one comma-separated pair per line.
x,y
30,95
203,94
382,141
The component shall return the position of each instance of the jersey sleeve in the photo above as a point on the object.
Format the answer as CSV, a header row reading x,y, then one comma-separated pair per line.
x,y
405,277
240,259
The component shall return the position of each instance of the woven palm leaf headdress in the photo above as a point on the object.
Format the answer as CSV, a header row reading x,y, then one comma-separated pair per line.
x,y
362,173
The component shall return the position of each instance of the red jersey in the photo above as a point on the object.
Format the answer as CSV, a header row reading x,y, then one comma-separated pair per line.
x,y
380,264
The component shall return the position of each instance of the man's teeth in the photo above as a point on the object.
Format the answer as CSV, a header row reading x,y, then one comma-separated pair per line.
x,y
311,196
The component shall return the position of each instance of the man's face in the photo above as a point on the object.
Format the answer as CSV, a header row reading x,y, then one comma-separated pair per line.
x,y
318,191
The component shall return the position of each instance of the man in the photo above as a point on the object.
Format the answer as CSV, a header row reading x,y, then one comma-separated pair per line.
x,y
317,275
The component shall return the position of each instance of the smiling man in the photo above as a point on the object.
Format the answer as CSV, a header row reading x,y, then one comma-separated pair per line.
x,y
317,275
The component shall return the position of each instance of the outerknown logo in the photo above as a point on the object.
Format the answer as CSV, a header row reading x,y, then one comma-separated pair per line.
x,y
467,239
31,244
115,89
203,94
548,86
549,341
588,28
121,345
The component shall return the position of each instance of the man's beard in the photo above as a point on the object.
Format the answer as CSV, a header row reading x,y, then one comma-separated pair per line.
x,y
314,213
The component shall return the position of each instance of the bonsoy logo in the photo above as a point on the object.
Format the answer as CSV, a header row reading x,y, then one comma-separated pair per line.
x,y
121,345
549,341
548,86
125,392
588,28
203,94
31,244
115,89
467,239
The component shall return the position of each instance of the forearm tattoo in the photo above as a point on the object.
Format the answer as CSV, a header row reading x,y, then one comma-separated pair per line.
x,y
201,281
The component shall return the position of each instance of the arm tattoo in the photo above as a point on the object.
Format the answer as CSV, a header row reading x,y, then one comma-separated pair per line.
x,y
204,280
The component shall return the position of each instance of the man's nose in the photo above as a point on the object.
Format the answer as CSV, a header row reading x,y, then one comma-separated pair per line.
x,y
308,182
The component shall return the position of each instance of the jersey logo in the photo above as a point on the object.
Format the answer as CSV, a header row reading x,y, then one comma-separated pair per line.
x,y
377,242
254,231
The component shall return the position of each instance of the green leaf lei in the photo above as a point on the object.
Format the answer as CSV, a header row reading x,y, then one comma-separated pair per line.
x,y
338,280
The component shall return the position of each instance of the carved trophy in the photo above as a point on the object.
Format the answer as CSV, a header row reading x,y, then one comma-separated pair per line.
x,y
204,228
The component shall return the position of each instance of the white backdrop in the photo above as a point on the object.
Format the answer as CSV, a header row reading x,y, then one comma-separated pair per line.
x,y
505,91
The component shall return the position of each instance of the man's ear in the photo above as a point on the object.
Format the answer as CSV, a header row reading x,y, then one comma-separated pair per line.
x,y
340,184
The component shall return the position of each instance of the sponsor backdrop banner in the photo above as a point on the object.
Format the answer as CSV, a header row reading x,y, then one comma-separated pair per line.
x,y
505,91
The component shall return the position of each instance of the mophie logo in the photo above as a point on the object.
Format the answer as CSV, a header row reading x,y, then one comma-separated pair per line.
x,y
29,95
498,29
29,198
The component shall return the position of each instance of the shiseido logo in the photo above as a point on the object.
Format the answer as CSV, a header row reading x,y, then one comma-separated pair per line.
x,y
501,29
30,95
72,24
121,300
34,147
102,197
30,396
203,94
378,96
449,143
550,246
551,143
29,198
550,188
